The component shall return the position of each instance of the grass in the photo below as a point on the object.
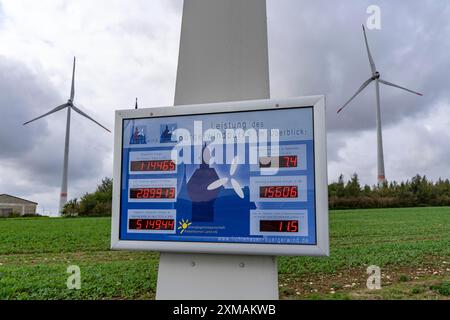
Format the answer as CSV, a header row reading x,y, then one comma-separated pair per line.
x,y
379,237
411,246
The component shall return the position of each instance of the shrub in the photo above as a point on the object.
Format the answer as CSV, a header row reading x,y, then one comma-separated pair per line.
x,y
94,204
442,288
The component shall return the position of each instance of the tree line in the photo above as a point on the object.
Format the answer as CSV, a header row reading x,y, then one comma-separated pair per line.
x,y
416,192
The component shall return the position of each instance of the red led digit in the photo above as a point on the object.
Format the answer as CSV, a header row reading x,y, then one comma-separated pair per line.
x,y
139,224
294,161
169,193
286,161
294,225
172,166
294,192
278,192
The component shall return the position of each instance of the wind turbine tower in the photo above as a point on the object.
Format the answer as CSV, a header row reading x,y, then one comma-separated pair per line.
x,y
69,105
376,76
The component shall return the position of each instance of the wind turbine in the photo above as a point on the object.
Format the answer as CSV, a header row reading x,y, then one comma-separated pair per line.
x,y
376,76
69,105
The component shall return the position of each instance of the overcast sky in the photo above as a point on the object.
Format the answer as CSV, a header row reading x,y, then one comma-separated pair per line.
x,y
129,48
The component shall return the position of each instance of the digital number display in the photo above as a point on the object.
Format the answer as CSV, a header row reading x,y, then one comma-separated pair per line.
x,y
278,192
153,165
278,225
152,193
283,162
151,224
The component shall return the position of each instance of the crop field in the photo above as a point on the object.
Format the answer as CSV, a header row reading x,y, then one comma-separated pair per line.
x,y
411,246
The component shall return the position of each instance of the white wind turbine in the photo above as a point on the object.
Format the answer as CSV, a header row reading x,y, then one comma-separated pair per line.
x,y
69,105
376,77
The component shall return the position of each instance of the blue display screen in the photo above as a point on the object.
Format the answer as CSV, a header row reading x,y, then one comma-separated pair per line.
x,y
236,177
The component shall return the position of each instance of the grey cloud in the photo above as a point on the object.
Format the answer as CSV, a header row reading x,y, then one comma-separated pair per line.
x,y
35,151
22,96
1,15
324,53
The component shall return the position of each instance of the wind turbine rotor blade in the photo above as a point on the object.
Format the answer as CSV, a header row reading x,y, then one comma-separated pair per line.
x,y
237,188
363,86
372,63
72,88
399,87
65,105
217,184
85,115
234,166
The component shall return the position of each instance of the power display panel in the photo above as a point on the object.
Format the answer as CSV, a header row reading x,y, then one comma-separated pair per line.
x,y
205,178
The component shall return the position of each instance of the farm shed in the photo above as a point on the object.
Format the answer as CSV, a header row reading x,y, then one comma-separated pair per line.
x,y
10,204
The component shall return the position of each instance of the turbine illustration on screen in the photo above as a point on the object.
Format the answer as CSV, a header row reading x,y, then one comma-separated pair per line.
x,y
224,181
69,105
376,76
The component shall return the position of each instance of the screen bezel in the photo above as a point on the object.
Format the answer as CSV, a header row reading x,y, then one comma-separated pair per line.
x,y
321,248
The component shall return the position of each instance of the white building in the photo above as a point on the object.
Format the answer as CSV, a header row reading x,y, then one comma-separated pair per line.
x,y
10,204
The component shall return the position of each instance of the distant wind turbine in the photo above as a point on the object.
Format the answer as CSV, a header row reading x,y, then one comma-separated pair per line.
x,y
69,105
376,77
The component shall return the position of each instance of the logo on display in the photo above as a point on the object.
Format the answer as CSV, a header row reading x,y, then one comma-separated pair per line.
x,y
138,135
224,181
167,133
184,225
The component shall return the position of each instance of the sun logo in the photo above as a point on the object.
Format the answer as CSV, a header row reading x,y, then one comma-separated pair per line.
x,y
184,224
224,181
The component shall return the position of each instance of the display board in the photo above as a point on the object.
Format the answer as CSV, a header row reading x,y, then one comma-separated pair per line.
x,y
246,177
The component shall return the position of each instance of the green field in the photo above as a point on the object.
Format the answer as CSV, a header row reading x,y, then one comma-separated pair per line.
x,y
412,247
